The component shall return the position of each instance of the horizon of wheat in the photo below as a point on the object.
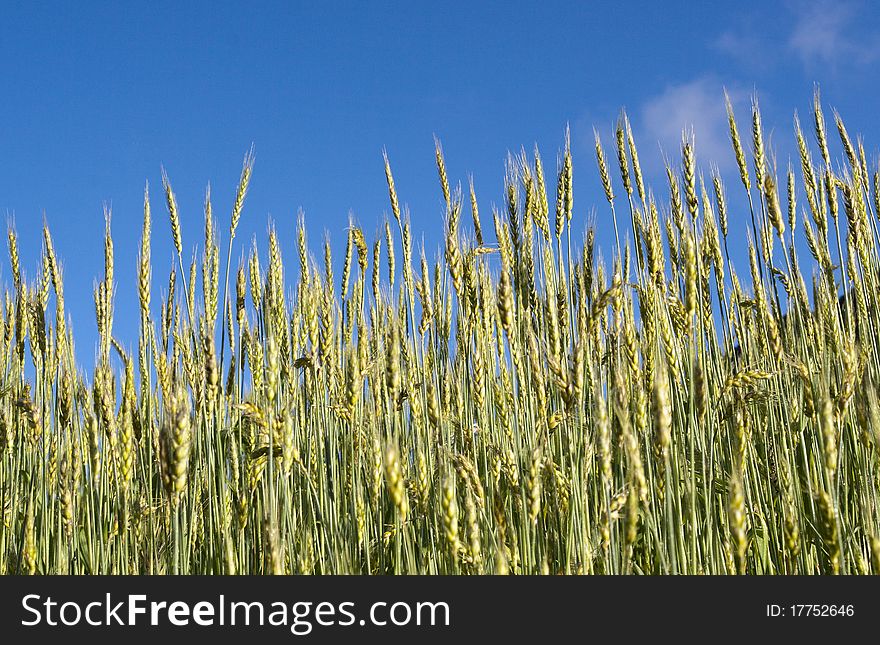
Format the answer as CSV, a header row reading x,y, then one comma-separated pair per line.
x,y
518,406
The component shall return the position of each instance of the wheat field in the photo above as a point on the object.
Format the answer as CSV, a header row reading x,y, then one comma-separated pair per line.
x,y
515,406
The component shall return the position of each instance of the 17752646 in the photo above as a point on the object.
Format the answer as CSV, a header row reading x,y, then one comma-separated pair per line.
x,y
810,610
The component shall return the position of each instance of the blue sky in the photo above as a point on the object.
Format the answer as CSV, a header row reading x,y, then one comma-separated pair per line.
x,y
96,97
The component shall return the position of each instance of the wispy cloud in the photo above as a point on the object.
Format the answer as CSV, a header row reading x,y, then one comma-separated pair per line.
x,y
827,33
744,45
832,34
695,106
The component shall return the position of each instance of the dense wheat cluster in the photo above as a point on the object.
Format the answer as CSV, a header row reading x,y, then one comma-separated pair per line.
x,y
517,406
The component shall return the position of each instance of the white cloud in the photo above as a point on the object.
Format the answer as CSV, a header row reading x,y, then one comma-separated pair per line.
x,y
743,45
832,34
827,33
696,106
